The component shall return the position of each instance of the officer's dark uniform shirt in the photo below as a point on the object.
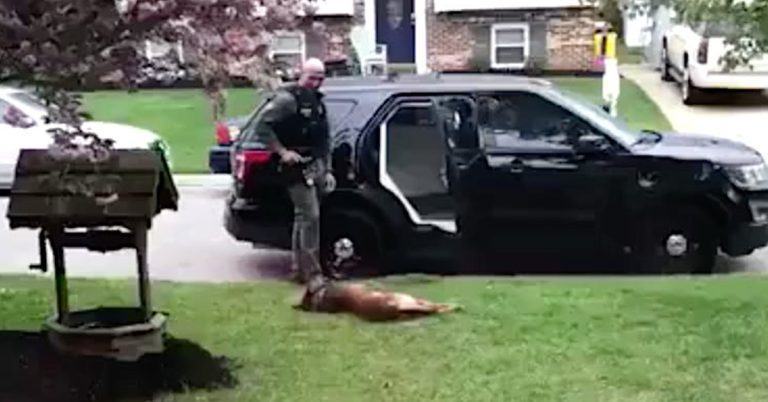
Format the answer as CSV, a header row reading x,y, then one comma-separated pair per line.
x,y
297,118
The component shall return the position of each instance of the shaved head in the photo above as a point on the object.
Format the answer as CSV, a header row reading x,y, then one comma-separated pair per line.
x,y
312,74
313,65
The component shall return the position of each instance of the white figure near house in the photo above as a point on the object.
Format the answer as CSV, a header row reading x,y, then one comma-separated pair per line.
x,y
611,85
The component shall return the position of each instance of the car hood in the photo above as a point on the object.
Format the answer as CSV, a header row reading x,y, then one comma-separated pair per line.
x,y
697,147
124,136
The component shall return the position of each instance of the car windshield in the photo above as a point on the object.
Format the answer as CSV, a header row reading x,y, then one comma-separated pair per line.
x,y
599,117
30,101
720,28
249,129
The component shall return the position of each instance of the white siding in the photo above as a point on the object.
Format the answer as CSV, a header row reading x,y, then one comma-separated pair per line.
x,y
335,7
479,5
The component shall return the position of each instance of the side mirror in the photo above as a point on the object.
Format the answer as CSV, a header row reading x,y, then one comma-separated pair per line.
x,y
592,143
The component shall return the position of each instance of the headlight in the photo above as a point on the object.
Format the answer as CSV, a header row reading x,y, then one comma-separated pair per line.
x,y
749,177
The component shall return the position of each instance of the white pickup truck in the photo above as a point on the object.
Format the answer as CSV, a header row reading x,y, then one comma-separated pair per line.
x,y
693,56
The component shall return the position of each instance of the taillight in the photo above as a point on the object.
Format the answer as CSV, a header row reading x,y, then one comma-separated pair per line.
x,y
246,160
703,51
222,134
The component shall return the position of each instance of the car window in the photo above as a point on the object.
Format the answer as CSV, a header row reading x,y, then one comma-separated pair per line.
x,y
458,121
526,120
4,108
248,131
11,115
720,28
338,110
30,101
617,128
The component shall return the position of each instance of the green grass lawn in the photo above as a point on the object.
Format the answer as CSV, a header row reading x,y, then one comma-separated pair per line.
x,y
629,55
625,339
182,116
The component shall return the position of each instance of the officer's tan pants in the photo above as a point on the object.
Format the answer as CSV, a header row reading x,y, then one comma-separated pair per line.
x,y
306,224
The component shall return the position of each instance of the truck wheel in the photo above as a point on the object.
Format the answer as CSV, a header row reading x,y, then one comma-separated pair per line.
x,y
683,242
351,245
665,75
692,95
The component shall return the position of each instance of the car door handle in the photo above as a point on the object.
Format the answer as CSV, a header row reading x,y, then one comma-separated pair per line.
x,y
516,166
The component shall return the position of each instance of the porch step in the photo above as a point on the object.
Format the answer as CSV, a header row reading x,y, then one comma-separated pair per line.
x,y
402,68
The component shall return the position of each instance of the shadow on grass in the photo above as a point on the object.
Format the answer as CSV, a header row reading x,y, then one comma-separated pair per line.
x,y
30,370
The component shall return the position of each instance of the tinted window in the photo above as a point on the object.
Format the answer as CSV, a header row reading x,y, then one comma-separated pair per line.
x,y
525,120
248,132
12,115
338,111
458,122
720,28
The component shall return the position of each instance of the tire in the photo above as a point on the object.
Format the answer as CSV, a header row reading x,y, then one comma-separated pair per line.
x,y
683,242
692,95
351,232
665,75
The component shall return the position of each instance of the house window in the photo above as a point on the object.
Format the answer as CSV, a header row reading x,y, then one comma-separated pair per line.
x,y
159,48
509,45
288,49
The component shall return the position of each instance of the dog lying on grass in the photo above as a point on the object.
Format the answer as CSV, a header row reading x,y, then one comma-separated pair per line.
x,y
366,303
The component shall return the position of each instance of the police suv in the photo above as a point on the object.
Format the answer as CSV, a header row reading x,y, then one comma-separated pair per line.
x,y
505,174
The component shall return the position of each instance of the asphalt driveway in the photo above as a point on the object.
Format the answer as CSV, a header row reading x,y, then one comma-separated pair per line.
x,y
191,245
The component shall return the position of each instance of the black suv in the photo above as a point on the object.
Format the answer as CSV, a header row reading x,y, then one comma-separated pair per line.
x,y
504,172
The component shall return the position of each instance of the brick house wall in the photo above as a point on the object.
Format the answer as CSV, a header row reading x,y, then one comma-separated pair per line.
x,y
560,39
334,44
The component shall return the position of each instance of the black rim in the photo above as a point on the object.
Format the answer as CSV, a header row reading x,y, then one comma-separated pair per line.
x,y
363,260
342,267
668,239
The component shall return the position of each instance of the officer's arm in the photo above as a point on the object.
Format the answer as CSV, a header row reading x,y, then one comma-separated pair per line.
x,y
279,109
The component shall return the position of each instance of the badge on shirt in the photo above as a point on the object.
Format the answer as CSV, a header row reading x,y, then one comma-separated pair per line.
x,y
306,112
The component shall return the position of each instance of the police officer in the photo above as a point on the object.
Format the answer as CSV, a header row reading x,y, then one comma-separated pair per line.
x,y
295,126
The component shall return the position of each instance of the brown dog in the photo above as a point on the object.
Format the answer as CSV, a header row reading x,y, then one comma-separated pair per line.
x,y
367,304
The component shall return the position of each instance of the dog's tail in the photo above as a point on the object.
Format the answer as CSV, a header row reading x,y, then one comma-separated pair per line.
x,y
447,308
429,308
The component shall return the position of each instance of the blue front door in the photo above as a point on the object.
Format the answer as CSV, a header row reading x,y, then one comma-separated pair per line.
x,y
394,28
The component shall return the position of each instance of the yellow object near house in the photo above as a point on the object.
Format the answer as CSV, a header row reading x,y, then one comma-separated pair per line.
x,y
605,44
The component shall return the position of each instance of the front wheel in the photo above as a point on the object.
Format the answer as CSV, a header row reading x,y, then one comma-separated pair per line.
x,y
351,245
684,242
665,74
